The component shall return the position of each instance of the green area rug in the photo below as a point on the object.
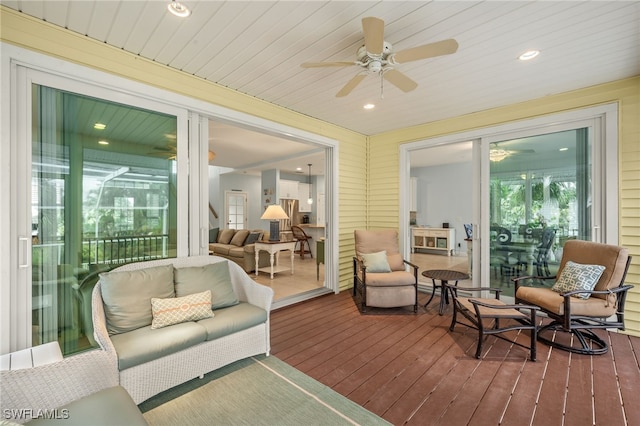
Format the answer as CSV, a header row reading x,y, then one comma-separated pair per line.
x,y
255,391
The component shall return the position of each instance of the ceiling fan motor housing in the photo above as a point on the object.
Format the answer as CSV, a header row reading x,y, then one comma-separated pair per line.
x,y
364,56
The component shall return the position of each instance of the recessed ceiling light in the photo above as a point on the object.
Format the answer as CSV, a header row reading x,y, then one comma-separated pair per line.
x,y
563,149
99,126
298,169
178,9
369,106
528,55
103,142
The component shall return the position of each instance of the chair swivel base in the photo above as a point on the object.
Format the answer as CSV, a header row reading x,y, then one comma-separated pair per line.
x,y
589,342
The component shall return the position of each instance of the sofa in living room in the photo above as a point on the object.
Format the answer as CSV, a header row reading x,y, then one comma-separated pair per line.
x,y
238,246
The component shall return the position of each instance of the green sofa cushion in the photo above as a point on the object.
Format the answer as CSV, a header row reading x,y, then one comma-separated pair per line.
x,y
111,406
127,296
214,277
232,319
144,344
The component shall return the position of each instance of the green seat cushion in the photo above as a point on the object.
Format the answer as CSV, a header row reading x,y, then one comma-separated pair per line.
x,y
144,344
111,406
232,319
214,277
127,296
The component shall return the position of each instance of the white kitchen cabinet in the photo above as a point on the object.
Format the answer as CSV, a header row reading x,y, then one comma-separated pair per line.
x,y
288,189
441,239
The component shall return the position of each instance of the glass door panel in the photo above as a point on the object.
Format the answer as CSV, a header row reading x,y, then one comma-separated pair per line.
x,y
103,193
236,203
540,196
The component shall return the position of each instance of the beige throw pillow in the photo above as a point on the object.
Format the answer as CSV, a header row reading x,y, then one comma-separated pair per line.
x,y
175,310
239,237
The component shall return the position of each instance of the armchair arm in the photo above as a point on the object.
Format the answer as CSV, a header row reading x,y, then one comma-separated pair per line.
x,y
413,265
612,291
620,292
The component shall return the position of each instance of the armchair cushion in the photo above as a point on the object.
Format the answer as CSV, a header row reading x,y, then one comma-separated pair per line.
x,y
396,263
577,276
390,279
376,262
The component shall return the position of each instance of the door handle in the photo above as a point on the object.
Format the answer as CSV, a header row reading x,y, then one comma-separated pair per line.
x,y
23,252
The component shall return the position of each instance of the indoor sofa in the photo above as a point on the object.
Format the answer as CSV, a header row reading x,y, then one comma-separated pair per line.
x,y
149,316
238,246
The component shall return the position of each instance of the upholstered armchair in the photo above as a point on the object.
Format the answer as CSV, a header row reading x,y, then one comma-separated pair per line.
x,y
380,273
589,293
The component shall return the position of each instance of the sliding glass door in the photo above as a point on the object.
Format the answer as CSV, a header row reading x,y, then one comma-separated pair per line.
x,y
540,196
103,193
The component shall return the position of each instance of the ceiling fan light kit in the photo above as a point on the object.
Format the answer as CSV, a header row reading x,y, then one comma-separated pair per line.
x,y
178,9
376,56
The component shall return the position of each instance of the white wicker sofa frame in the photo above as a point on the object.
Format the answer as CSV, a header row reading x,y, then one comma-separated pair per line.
x,y
150,378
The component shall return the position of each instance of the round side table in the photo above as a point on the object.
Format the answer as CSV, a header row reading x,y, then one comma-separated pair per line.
x,y
444,276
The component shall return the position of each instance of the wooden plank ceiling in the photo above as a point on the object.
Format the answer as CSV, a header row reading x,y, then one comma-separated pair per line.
x,y
257,48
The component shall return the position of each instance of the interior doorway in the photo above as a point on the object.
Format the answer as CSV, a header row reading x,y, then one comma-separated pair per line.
x,y
272,168
236,209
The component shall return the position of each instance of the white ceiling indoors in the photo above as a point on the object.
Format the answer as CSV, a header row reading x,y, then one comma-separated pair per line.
x,y
256,47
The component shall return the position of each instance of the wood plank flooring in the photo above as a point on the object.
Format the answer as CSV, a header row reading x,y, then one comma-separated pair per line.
x,y
410,369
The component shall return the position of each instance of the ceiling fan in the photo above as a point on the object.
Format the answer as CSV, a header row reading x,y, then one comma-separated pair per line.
x,y
377,57
497,153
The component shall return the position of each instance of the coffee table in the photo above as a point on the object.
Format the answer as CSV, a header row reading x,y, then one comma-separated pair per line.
x,y
444,276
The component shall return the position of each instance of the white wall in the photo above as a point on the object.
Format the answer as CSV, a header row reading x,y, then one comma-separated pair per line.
x,y
444,195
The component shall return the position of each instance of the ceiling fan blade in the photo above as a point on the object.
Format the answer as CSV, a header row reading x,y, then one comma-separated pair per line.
x,y
373,29
350,85
326,64
400,80
444,47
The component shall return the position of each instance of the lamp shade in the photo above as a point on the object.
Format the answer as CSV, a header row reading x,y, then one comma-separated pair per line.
x,y
274,212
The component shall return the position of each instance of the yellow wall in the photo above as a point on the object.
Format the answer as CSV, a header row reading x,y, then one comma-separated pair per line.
x,y
383,186
365,199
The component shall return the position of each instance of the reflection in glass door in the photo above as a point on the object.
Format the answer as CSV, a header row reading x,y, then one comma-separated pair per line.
x,y
540,196
103,193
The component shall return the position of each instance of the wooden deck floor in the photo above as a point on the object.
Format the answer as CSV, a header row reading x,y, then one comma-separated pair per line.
x,y
409,369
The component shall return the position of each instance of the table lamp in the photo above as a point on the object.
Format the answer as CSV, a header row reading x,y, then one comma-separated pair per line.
x,y
274,213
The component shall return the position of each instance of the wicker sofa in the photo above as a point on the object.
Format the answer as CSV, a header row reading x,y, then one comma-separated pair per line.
x,y
150,360
238,246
